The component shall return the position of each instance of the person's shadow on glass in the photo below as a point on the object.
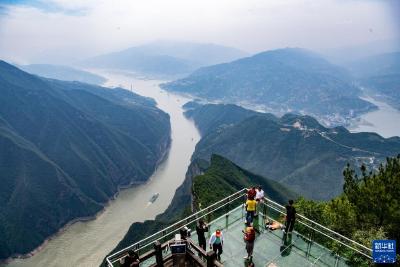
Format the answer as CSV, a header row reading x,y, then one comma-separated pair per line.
x,y
286,247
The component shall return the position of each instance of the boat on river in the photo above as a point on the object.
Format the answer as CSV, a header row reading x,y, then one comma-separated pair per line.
x,y
154,197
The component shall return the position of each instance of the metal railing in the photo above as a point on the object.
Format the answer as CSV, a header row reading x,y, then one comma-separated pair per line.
x,y
228,205
315,227
168,232
315,234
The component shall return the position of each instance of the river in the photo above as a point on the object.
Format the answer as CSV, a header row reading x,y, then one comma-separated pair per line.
x,y
385,120
87,243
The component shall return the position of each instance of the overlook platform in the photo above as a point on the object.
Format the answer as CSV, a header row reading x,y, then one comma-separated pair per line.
x,y
306,246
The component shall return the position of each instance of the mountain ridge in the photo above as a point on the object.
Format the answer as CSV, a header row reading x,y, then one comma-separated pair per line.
x,y
165,59
280,81
64,73
295,150
67,149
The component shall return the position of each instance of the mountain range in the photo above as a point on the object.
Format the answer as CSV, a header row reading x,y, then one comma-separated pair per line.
x,y
165,59
381,75
64,73
66,149
280,81
294,150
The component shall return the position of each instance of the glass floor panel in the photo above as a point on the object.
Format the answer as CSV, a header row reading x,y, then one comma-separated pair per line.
x,y
270,249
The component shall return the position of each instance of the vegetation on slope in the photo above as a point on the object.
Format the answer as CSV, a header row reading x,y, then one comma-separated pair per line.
x,y
294,150
209,117
368,209
66,148
224,178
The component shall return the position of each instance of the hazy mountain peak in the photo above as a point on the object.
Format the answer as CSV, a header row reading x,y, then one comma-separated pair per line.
x,y
281,81
64,73
166,58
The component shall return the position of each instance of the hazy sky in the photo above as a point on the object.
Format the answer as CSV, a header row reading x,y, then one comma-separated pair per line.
x,y
66,30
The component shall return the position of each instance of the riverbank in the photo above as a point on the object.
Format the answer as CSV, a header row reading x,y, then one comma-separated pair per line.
x,y
105,205
383,121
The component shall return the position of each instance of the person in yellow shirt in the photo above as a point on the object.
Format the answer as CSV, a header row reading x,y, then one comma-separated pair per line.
x,y
251,209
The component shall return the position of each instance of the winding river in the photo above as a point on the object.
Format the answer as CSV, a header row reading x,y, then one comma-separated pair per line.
x,y
87,243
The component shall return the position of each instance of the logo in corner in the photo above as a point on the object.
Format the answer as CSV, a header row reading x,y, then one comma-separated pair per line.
x,y
384,251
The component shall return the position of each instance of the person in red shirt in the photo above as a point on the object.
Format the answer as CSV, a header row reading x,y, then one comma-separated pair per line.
x,y
251,193
249,238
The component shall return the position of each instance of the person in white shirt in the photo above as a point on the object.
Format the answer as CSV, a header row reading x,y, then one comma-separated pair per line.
x,y
259,197
259,193
216,243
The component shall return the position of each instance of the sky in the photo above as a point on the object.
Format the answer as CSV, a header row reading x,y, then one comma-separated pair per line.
x,y
64,31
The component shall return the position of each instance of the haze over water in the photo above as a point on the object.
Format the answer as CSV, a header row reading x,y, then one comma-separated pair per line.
x,y
87,243
385,121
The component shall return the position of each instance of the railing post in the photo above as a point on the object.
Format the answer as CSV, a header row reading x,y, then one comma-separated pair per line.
x,y
208,215
158,253
243,203
337,260
311,238
227,210
265,208
211,257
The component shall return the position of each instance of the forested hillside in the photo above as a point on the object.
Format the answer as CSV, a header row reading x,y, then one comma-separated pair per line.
x,y
66,149
294,150
368,209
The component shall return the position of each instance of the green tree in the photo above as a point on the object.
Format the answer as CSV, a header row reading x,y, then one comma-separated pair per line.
x,y
368,209
375,197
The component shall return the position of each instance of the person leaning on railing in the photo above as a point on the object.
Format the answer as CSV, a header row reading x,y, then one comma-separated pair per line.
x,y
131,260
201,228
259,197
290,217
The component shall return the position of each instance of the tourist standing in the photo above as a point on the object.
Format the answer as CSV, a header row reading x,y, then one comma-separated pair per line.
x,y
250,210
216,243
201,229
290,217
249,239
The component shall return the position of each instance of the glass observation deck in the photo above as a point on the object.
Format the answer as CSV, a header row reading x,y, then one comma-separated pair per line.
x,y
310,244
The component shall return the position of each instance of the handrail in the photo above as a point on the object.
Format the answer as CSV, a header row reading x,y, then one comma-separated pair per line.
x,y
186,223
183,221
330,237
319,225
233,197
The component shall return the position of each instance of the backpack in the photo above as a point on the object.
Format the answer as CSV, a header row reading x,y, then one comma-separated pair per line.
x,y
250,235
